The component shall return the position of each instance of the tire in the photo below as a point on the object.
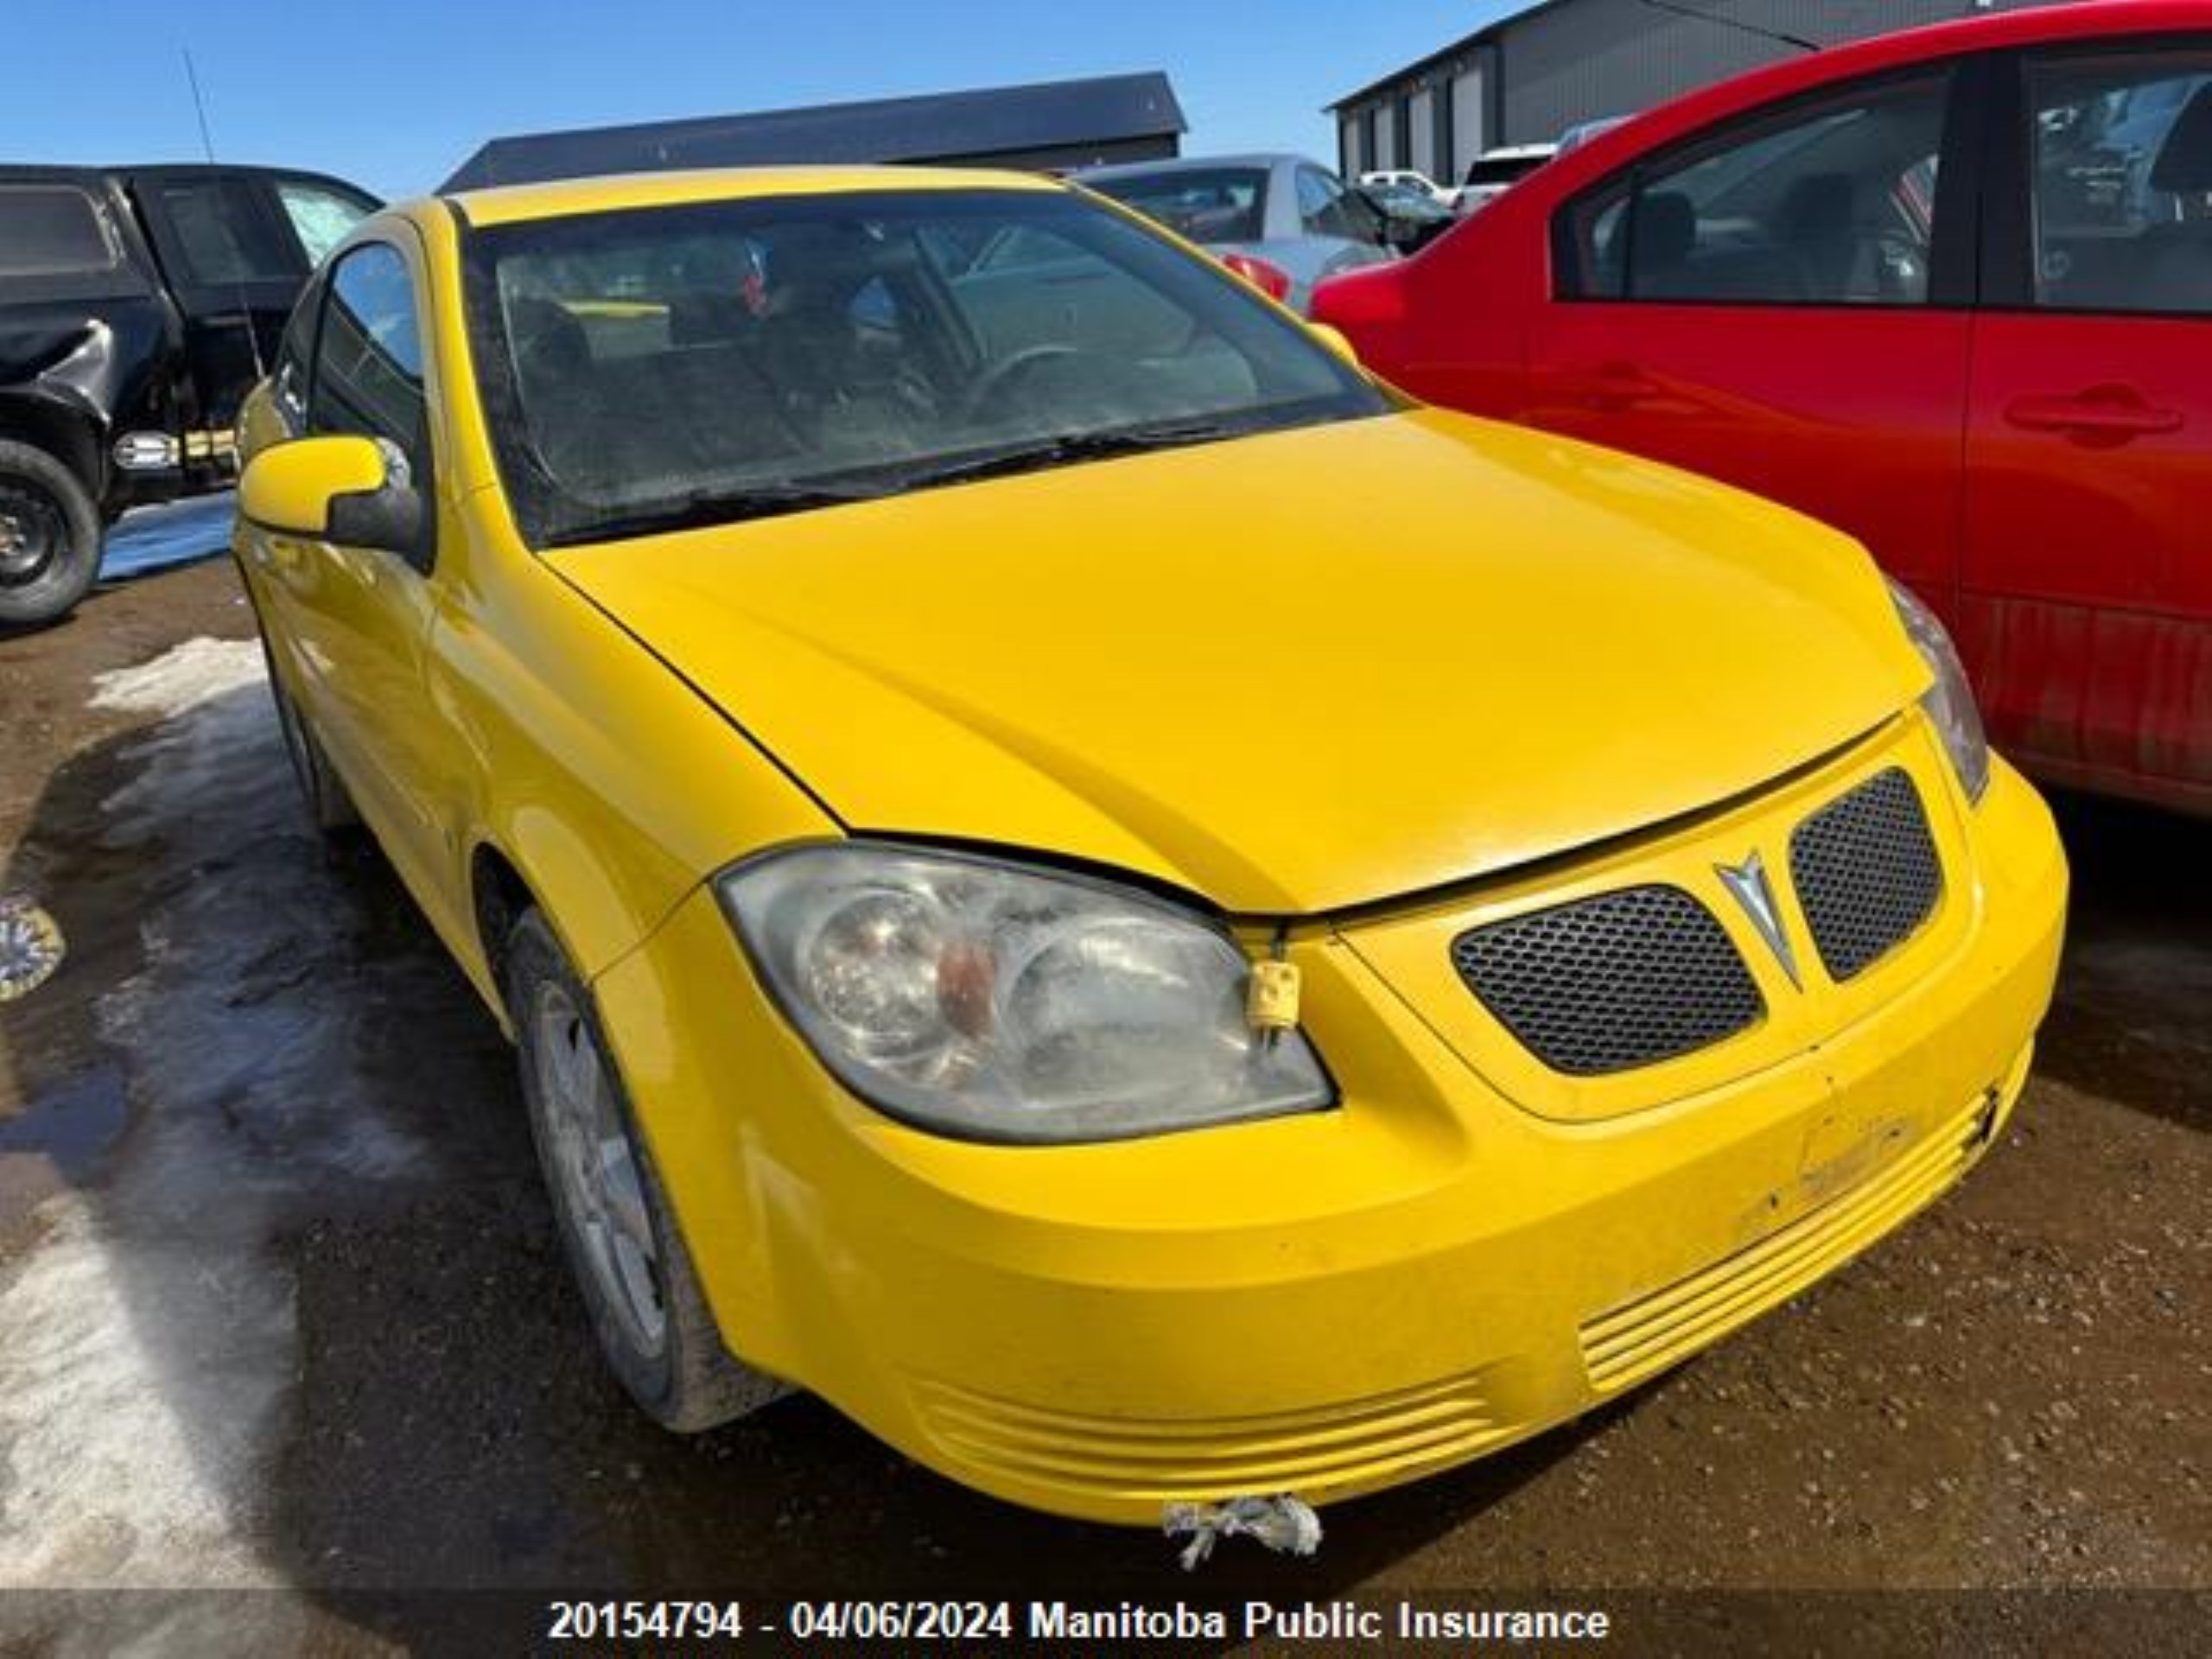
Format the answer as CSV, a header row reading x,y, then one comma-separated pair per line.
x,y
624,1248
49,537
329,806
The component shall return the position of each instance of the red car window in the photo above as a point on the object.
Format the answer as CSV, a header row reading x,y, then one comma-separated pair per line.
x,y
1829,203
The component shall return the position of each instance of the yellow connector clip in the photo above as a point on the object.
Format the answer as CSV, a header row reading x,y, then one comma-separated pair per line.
x,y
1271,999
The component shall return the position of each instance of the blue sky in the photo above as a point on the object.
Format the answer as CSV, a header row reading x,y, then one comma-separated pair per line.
x,y
397,93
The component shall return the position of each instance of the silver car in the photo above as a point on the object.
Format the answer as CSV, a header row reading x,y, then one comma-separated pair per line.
x,y
1282,221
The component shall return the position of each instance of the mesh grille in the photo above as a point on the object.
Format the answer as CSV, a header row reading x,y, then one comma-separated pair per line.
x,y
1605,984
1866,872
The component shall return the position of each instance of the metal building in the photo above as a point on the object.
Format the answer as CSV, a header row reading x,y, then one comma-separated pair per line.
x,y
1049,125
1546,66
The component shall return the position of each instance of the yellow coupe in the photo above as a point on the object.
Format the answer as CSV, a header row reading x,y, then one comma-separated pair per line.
x,y
1150,918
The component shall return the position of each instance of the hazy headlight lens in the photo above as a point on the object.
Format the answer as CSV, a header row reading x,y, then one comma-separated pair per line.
x,y
1949,703
981,1000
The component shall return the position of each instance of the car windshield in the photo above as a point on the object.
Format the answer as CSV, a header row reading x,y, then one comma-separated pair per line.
x,y
651,368
1212,204
1502,169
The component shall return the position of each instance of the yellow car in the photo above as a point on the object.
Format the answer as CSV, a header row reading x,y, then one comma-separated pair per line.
x,y
1036,903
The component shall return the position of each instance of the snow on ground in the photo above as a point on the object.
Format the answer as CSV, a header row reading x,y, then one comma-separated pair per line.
x,y
147,1347
127,1448
181,678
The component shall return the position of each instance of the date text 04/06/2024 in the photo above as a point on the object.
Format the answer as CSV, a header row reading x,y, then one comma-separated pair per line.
x,y
1059,1621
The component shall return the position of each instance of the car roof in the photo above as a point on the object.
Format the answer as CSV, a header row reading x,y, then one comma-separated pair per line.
x,y
509,204
82,173
1258,158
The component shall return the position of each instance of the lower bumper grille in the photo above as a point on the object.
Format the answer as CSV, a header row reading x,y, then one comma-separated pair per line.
x,y
1642,1338
1387,1437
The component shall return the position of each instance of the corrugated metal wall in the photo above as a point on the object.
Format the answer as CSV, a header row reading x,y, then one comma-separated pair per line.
x,y
1595,58
1583,58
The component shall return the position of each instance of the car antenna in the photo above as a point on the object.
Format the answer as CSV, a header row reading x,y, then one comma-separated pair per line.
x,y
207,144
1797,41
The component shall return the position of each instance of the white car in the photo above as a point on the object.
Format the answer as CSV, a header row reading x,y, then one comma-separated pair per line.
x,y
1411,180
1490,174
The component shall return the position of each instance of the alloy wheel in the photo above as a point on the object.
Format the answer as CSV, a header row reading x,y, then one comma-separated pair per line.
x,y
596,1164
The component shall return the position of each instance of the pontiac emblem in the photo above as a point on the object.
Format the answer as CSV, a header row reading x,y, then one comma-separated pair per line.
x,y
1748,885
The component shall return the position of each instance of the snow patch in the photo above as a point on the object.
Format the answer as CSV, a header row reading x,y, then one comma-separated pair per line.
x,y
148,1345
129,1447
181,678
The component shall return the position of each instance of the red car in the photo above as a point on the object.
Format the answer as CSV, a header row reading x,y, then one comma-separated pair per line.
x,y
1950,291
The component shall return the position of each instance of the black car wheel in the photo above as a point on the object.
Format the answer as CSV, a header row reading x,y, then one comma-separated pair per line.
x,y
49,537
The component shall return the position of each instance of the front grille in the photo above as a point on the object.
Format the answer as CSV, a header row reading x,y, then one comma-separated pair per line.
x,y
1610,983
1866,872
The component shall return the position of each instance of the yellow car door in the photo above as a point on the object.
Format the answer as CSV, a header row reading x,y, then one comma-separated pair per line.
x,y
355,620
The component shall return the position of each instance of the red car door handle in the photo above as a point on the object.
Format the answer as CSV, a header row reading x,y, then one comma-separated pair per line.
x,y
2108,412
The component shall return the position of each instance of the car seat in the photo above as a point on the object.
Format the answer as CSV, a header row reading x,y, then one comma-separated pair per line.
x,y
2177,262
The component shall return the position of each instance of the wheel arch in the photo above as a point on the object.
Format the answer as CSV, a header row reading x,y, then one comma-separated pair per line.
x,y
582,904
70,437
497,897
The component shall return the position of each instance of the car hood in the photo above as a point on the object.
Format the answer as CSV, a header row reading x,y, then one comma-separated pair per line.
x,y
1293,672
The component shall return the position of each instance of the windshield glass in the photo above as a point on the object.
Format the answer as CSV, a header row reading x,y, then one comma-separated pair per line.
x,y
1209,203
651,368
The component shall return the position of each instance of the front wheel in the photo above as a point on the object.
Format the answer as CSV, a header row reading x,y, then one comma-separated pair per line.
x,y
629,1260
49,537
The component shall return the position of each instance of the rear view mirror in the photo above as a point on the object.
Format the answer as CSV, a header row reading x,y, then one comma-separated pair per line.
x,y
347,489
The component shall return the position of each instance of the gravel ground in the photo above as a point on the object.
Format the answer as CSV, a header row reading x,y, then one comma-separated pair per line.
x,y
282,1312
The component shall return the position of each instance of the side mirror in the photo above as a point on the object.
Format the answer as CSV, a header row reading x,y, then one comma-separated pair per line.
x,y
347,489
1335,341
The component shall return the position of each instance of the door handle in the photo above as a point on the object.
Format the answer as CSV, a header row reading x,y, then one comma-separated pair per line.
x,y
2111,414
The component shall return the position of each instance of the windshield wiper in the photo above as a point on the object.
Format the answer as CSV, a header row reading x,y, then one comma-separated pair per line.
x,y
722,507
1059,448
712,506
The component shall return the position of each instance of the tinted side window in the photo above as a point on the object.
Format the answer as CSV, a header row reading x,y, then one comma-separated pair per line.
x,y
2121,181
46,230
1831,203
368,360
224,235
295,358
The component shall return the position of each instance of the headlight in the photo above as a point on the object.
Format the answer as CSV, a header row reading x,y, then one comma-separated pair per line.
x,y
994,1003
1949,703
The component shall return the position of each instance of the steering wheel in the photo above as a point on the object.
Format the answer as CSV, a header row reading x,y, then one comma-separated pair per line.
x,y
993,382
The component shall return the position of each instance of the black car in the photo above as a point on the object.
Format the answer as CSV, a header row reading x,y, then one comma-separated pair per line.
x,y
137,306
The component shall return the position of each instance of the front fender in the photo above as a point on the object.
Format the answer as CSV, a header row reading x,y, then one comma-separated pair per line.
x,y
608,785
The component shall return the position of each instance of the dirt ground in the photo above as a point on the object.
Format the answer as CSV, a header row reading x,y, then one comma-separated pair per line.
x,y
282,1309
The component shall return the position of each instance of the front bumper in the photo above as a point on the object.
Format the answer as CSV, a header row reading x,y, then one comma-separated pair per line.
x,y
1327,1303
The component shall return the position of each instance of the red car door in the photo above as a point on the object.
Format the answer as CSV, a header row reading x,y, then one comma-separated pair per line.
x,y
2087,569
1782,302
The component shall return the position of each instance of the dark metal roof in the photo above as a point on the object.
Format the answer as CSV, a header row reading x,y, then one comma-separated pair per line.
x,y
969,126
1488,31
